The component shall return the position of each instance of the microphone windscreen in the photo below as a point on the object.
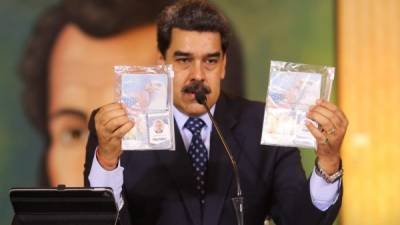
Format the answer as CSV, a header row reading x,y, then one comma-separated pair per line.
x,y
201,97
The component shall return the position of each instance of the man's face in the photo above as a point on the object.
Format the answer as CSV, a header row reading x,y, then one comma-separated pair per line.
x,y
81,78
158,126
195,56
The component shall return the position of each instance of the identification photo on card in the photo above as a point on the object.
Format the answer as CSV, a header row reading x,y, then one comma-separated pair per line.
x,y
159,126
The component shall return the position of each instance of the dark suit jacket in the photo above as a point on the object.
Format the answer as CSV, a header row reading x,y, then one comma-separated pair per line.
x,y
159,185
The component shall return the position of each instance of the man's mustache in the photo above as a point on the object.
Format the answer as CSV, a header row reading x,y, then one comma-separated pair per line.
x,y
195,87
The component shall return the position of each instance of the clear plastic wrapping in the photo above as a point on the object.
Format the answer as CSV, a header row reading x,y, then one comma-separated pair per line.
x,y
146,93
292,89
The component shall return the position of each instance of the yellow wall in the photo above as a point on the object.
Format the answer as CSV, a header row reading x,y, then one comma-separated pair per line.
x,y
368,58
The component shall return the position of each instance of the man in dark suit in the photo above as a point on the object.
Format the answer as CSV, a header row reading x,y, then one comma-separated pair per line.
x,y
194,184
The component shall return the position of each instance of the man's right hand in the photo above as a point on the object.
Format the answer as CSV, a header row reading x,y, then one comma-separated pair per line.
x,y
112,123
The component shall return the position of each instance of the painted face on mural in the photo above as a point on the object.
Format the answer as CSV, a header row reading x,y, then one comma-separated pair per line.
x,y
82,79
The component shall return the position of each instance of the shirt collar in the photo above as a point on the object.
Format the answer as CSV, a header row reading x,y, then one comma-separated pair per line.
x,y
181,117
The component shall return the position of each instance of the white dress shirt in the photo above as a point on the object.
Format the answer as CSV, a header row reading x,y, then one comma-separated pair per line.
x,y
323,194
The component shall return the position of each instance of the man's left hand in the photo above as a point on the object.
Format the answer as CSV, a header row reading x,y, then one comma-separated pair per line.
x,y
329,135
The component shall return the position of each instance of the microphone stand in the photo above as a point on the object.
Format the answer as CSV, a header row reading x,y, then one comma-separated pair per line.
x,y
238,199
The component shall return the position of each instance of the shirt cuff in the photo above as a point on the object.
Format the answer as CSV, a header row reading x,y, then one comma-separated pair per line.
x,y
99,177
323,194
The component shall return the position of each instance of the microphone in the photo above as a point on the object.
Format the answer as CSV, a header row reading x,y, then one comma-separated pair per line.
x,y
237,201
201,98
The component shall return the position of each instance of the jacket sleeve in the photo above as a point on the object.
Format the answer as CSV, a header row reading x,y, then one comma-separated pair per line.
x,y
91,145
292,199
90,148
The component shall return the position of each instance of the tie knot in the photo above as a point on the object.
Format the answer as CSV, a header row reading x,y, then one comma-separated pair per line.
x,y
194,125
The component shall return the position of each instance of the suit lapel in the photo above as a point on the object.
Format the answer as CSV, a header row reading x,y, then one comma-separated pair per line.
x,y
220,174
180,169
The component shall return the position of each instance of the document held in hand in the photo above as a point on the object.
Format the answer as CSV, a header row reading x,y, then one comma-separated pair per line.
x,y
146,93
293,88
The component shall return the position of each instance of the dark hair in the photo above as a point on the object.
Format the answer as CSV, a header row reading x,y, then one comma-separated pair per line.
x,y
192,15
